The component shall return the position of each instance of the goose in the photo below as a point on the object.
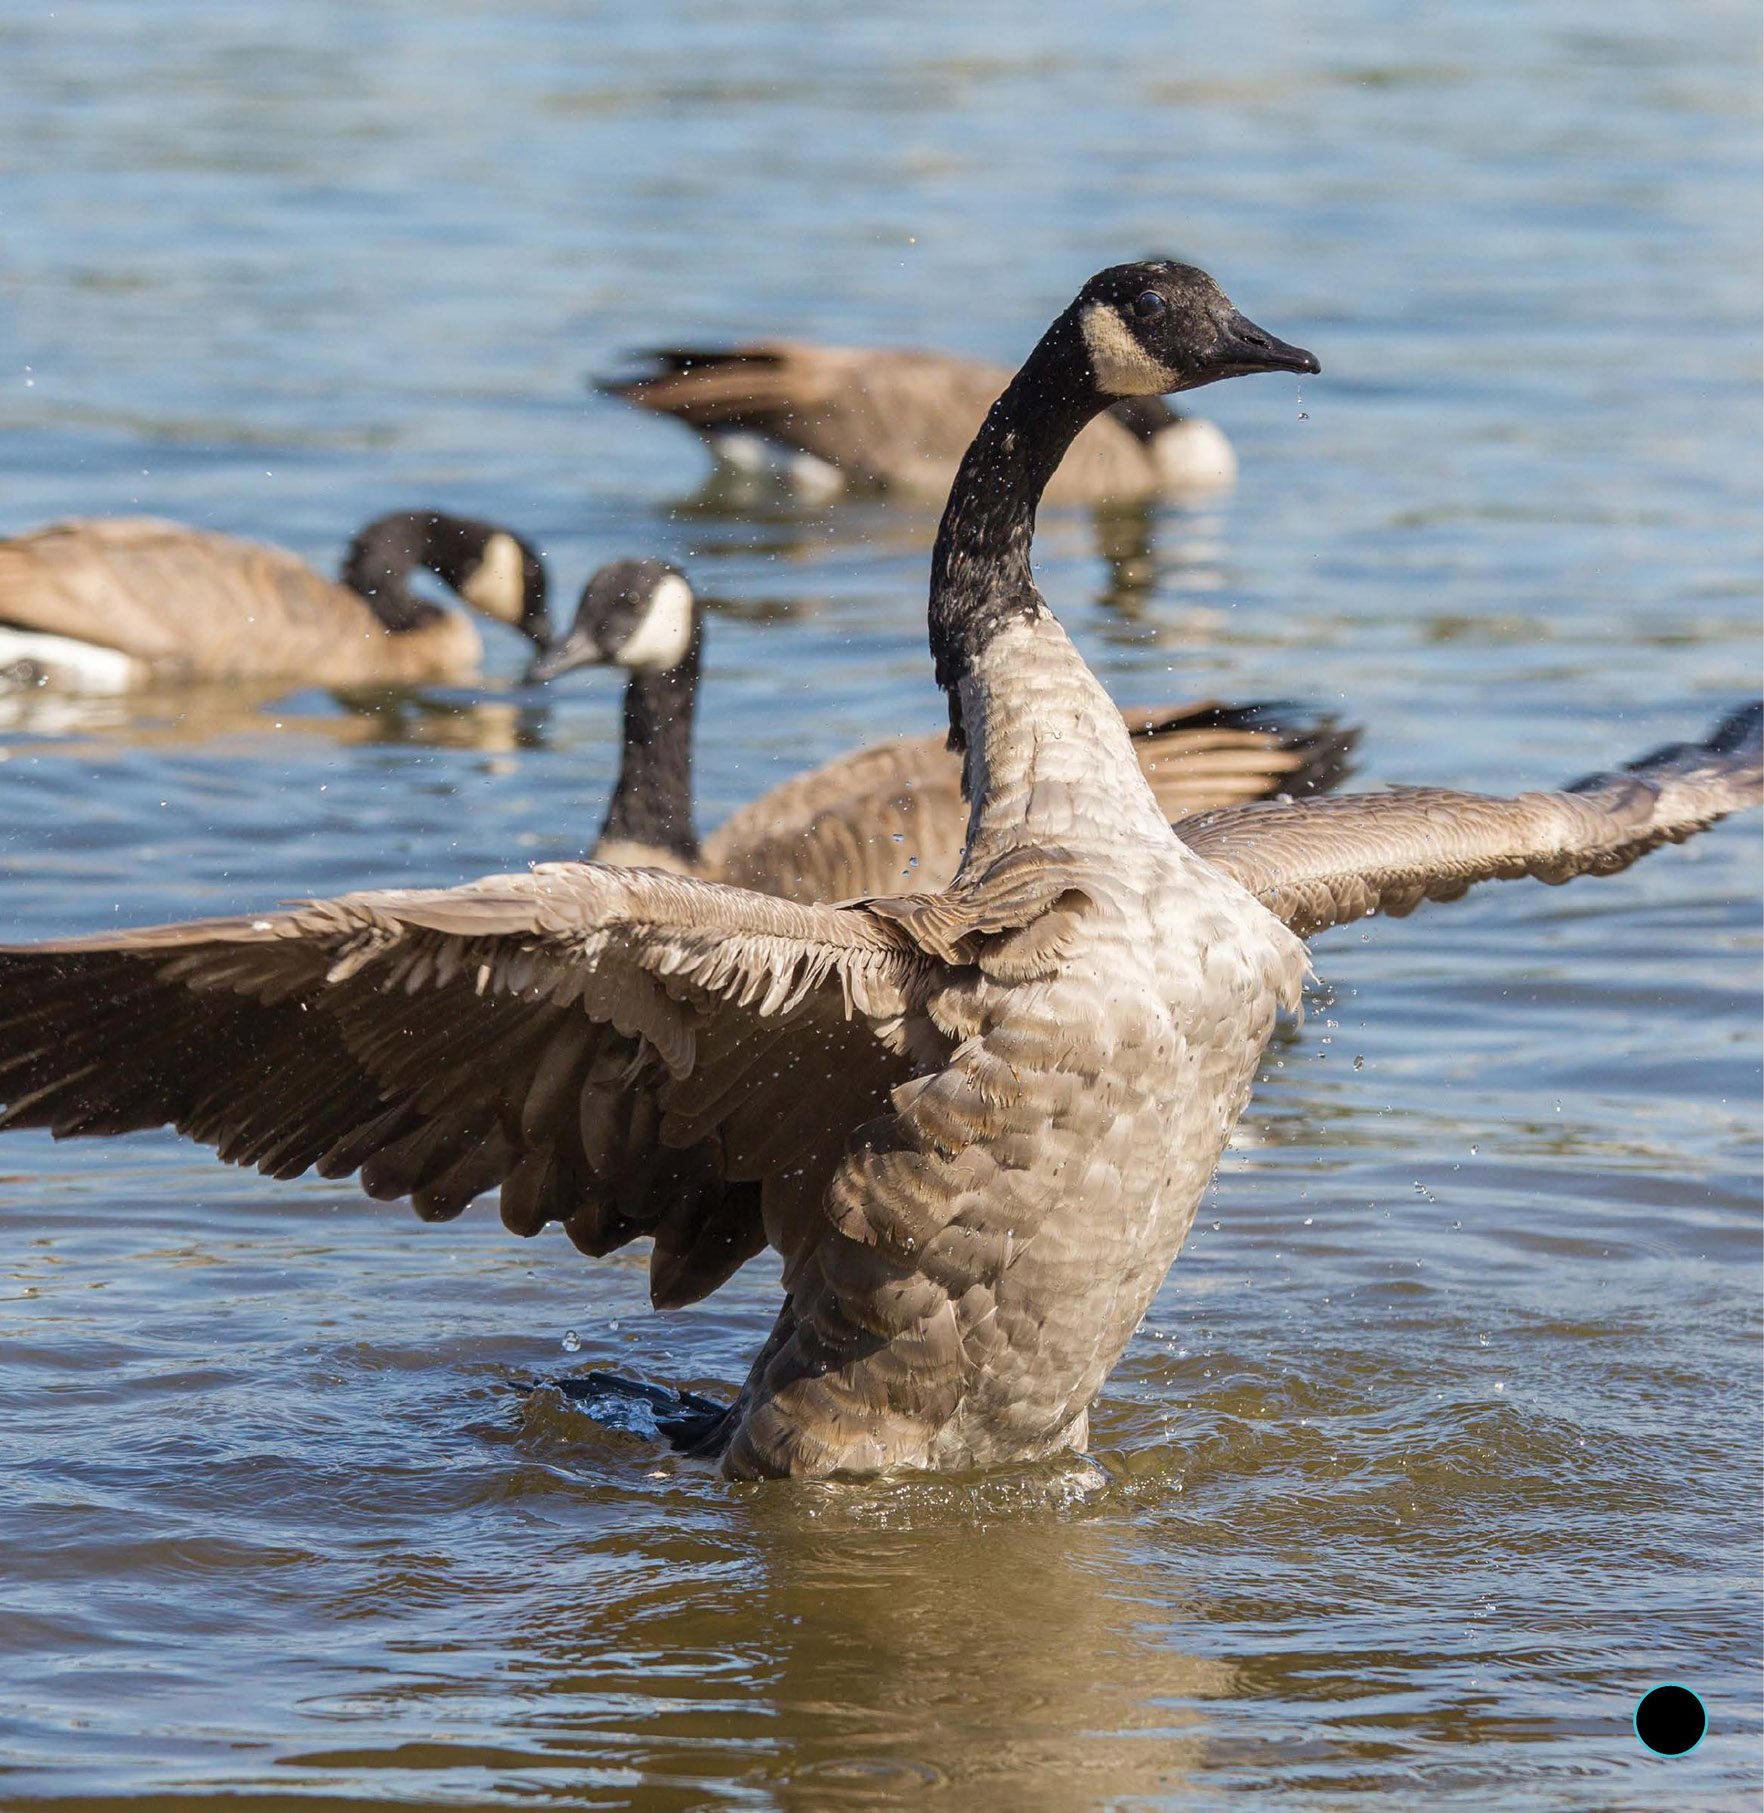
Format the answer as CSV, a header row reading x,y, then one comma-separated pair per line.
x,y
974,1122
892,813
114,603
896,419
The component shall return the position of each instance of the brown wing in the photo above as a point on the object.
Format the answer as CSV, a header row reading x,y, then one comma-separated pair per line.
x,y
756,388
1324,862
892,816
188,602
880,415
621,1050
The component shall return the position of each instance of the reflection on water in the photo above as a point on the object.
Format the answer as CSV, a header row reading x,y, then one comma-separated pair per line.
x,y
1440,1445
168,717
903,1672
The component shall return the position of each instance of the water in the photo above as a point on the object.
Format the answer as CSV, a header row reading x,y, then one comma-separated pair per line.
x,y
1440,1445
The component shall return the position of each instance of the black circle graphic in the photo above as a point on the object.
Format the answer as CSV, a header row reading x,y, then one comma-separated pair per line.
x,y
1670,1720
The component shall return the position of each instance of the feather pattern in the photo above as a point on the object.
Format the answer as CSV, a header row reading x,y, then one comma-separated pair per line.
x,y
442,1041
1323,862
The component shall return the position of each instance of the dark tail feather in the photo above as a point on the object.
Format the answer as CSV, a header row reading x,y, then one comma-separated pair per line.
x,y
1324,748
729,387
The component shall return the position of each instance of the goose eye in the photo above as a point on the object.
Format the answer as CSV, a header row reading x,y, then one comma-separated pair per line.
x,y
1150,305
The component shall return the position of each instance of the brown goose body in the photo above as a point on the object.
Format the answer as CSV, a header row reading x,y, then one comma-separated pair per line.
x,y
884,817
897,419
172,603
975,1122
893,815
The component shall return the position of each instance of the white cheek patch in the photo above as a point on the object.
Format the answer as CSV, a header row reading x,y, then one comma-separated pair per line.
x,y
494,586
664,632
1121,366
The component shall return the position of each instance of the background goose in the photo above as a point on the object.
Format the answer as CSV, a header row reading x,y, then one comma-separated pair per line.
x,y
883,817
975,1122
892,419
113,603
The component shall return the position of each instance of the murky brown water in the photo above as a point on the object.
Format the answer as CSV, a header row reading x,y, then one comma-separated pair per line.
x,y
1440,1446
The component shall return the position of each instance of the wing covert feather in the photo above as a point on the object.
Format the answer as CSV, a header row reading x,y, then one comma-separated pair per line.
x,y
625,1051
537,1031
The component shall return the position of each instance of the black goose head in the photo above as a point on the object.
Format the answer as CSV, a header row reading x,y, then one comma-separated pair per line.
x,y
1157,326
490,568
497,573
637,614
1134,330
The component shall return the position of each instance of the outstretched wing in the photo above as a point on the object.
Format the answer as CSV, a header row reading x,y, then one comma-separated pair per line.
x,y
1322,862
621,1050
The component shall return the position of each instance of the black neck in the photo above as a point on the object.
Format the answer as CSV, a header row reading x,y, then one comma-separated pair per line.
x,y
652,804
980,577
383,556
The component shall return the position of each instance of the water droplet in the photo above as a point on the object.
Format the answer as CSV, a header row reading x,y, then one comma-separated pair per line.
x,y
572,1342
1309,1219
1359,1063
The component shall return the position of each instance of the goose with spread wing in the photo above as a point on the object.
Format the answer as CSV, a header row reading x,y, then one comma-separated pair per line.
x,y
878,818
108,604
974,1122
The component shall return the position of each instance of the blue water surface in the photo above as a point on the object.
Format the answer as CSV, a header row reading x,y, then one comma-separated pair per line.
x,y
1440,1446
